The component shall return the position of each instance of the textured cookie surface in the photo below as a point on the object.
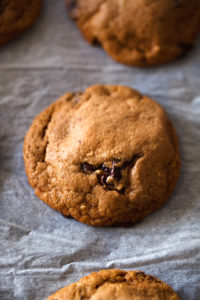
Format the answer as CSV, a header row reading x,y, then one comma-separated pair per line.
x,y
139,32
16,16
117,285
105,156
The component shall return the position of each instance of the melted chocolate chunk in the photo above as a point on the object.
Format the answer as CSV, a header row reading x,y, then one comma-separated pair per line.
x,y
109,178
105,168
87,168
115,172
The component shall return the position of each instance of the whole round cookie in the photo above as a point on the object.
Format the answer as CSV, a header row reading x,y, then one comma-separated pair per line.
x,y
105,156
16,16
139,32
117,285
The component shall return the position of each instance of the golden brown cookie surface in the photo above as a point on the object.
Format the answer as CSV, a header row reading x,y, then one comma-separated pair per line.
x,y
117,285
16,16
105,156
139,32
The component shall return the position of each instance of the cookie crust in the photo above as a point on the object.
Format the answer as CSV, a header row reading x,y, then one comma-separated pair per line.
x,y
117,285
105,156
139,32
16,16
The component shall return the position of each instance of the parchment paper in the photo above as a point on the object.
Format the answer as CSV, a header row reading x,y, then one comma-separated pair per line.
x,y
41,251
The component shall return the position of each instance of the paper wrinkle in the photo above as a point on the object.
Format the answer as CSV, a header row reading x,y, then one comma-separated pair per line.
x,y
40,250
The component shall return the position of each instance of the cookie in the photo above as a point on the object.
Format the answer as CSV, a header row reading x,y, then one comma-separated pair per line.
x,y
139,32
105,156
117,285
16,16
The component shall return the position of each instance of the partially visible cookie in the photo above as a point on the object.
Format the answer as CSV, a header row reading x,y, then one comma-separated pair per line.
x,y
16,16
139,32
116,285
105,156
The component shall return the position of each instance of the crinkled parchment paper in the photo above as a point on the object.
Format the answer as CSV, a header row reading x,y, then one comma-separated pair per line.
x,y
40,250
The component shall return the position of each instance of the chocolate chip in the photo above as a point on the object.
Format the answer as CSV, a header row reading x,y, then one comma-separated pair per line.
x,y
105,169
110,178
87,168
115,172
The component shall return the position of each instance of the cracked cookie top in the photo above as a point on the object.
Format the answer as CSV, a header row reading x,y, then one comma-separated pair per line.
x,y
117,285
139,32
16,16
105,156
